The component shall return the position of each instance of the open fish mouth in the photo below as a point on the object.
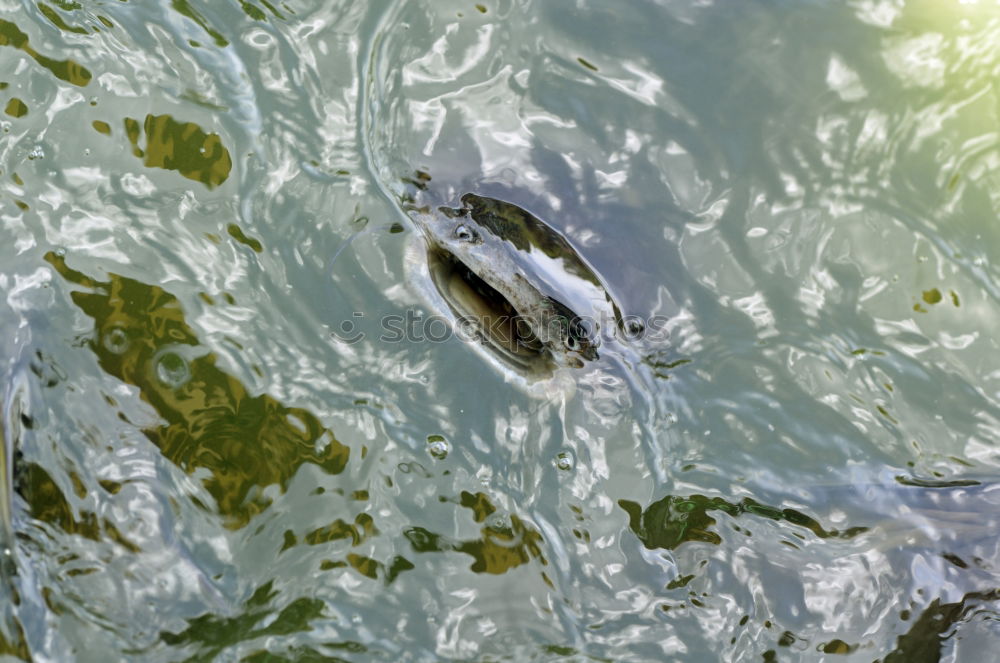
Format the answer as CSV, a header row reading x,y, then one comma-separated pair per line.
x,y
483,312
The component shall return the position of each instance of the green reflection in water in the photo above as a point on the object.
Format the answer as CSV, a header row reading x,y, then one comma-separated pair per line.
x,y
924,642
181,146
68,5
370,568
358,532
57,20
836,646
245,442
184,8
307,654
47,503
361,530
673,520
237,233
16,108
14,644
44,498
662,363
67,70
501,547
934,296
256,13
214,634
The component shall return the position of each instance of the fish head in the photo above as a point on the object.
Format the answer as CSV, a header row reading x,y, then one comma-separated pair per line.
x,y
493,289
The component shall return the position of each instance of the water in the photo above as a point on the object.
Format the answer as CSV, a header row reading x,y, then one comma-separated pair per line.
x,y
218,445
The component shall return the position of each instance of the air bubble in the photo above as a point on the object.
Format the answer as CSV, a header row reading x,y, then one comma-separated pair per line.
x,y
497,522
466,234
564,461
116,341
438,447
634,326
172,369
37,152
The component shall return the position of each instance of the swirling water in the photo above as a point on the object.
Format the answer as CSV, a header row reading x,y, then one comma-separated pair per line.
x,y
219,446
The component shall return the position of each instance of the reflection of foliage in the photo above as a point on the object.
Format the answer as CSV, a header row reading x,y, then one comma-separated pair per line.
x,y
306,654
237,233
14,644
362,529
661,365
923,642
184,8
245,442
181,146
371,568
671,521
47,503
213,634
57,20
67,70
16,108
502,546
256,13
934,296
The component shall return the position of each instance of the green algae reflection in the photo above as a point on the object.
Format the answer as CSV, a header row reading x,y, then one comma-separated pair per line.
x,y
927,639
14,645
216,633
67,70
16,108
674,520
58,21
47,503
185,8
212,635
245,442
500,548
180,146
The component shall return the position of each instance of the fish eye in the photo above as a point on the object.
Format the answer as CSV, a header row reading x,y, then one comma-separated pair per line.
x,y
633,326
584,328
466,234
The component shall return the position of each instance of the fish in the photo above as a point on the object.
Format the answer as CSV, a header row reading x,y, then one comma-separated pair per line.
x,y
515,284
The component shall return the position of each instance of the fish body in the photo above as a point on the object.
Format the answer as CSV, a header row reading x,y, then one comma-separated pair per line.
x,y
516,283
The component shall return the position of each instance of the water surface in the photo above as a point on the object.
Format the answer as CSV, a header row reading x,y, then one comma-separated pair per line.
x,y
216,449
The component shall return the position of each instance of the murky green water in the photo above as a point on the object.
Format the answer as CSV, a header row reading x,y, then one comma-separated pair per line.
x,y
218,445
